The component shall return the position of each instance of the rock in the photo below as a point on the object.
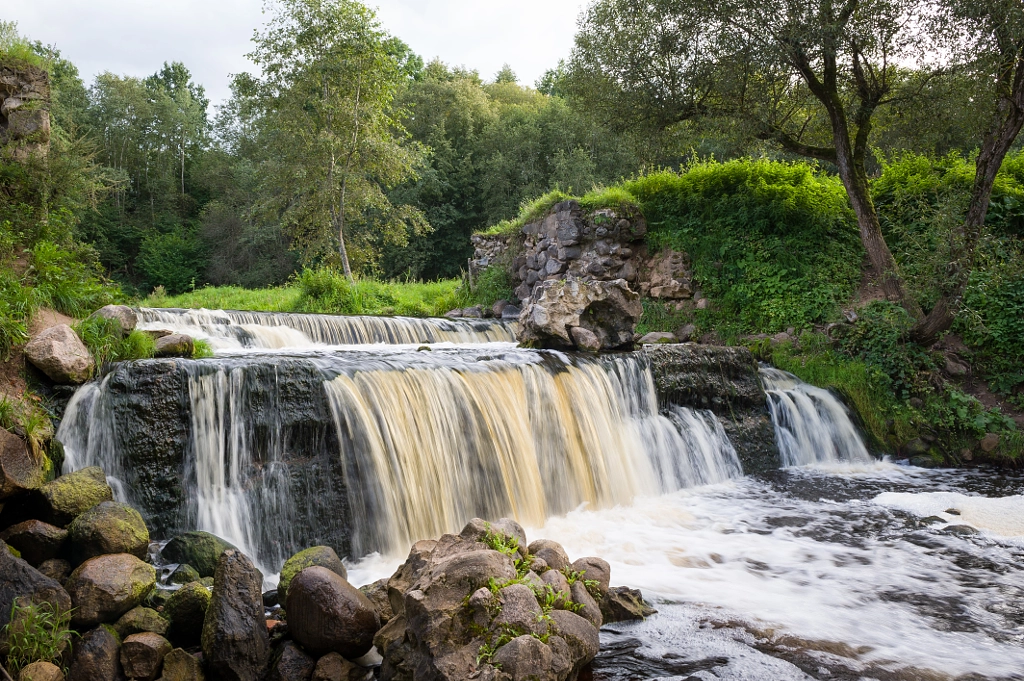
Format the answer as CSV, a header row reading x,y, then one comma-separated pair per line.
x,y
20,471
686,332
560,585
590,610
524,658
916,447
989,443
511,312
585,339
657,337
293,664
60,354
475,312
377,593
607,311
109,527
580,635
235,642
20,582
96,657
333,667
122,314
499,307
520,610
454,314
183,574
702,304
511,532
139,620
954,368
179,665
201,550
185,611
551,552
105,587
405,575
157,599
327,614
142,655
622,604
175,345
324,556
71,495
37,541
56,569
41,671
595,569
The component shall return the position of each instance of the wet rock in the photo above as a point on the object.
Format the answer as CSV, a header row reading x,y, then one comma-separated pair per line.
x,y
475,312
56,569
201,550
175,345
20,582
139,620
511,312
333,667
157,599
454,314
234,641
595,570
377,593
960,530
499,307
183,574
560,585
590,610
96,657
185,611
622,604
125,317
506,529
402,580
327,614
551,552
658,337
324,556
606,311
686,332
41,671
104,588
20,471
71,495
60,354
525,658
989,443
142,655
293,664
109,527
580,635
179,665
37,541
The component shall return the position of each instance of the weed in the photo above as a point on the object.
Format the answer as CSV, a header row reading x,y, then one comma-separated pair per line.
x,y
201,349
37,633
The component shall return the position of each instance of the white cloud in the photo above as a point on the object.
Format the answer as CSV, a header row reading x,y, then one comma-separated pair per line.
x,y
211,37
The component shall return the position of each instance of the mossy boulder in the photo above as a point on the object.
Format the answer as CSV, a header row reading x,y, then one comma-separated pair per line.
x,y
104,588
322,556
71,495
185,610
20,471
183,574
109,527
37,541
201,550
140,619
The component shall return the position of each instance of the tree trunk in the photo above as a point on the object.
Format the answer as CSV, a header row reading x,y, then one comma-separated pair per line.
x,y
340,223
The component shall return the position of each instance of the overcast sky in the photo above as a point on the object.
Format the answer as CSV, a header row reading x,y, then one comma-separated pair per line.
x,y
210,37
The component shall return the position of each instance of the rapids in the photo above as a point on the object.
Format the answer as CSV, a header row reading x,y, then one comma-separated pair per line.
x,y
370,433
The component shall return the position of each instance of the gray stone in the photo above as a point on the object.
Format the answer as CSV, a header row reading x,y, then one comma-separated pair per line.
x,y
590,610
139,620
989,443
36,541
56,569
595,569
520,610
125,317
71,495
293,664
96,657
608,310
20,471
327,614
551,552
525,658
60,354
109,527
657,337
622,604
333,667
179,665
41,671
20,582
235,642
175,345
580,635
377,593
201,550
142,655
685,333
105,587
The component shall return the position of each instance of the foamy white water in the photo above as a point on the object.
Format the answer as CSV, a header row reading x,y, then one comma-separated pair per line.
x,y
1003,517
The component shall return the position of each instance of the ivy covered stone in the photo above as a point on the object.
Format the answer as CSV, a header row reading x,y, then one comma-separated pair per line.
x,y
140,619
183,574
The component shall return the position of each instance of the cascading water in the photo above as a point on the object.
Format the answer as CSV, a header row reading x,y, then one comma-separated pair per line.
x,y
230,329
811,425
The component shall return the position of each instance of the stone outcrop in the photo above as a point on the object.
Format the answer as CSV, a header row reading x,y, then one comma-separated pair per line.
x,y
24,110
60,354
580,314
234,639
667,276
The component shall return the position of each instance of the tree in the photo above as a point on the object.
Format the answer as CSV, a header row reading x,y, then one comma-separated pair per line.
x,y
330,75
988,36
808,74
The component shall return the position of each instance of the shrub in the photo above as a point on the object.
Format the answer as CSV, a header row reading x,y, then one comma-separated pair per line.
x,y
16,307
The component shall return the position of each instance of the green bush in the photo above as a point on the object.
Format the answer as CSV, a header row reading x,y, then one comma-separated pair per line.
x,y
173,260
69,282
105,342
16,307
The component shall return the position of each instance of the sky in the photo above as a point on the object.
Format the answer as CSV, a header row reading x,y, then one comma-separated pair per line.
x,y
211,37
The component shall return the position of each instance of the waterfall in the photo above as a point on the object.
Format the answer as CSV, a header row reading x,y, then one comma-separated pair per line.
x,y
231,330
811,425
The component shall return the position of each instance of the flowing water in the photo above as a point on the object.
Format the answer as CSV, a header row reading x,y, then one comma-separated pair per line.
x,y
835,567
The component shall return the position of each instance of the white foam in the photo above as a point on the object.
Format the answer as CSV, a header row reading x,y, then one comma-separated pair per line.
x,y
1002,516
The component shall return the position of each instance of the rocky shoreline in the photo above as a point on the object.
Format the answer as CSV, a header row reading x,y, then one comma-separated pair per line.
x,y
85,595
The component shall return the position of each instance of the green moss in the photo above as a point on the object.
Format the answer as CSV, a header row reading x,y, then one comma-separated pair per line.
x,y
323,556
73,494
201,550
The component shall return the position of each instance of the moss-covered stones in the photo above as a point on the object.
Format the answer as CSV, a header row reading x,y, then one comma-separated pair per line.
x,y
71,495
104,588
323,556
109,527
201,550
186,610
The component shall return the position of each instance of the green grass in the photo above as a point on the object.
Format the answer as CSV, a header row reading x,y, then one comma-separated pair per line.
x,y
531,211
36,633
278,299
105,342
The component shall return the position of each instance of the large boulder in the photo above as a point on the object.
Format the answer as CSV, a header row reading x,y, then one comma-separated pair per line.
x,y
324,556
201,550
37,541
327,614
235,641
20,582
142,655
96,657
56,569
186,610
105,587
581,314
20,471
109,527
179,665
581,636
71,495
594,570
60,354
125,317
175,345
377,593
139,620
